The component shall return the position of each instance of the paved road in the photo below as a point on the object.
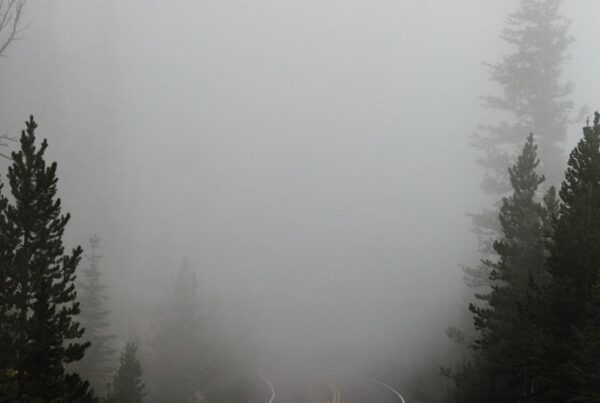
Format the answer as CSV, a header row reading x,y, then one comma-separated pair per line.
x,y
366,390
298,387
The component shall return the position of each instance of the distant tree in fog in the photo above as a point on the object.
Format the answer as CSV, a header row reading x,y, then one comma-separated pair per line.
x,y
128,386
533,98
196,358
230,362
38,332
533,94
177,366
96,365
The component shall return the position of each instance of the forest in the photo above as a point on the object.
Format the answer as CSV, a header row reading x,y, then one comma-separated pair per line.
x,y
221,202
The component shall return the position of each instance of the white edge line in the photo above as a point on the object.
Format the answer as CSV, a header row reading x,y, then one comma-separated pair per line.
x,y
394,391
271,387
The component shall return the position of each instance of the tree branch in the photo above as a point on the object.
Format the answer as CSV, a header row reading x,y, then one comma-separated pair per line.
x,y
11,12
3,143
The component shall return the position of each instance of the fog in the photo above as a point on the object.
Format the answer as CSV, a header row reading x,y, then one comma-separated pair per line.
x,y
311,160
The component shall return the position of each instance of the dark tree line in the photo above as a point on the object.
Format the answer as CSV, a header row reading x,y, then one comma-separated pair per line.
x,y
532,97
55,339
535,314
537,329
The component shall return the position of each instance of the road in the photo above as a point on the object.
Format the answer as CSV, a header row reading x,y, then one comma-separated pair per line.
x,y
298,387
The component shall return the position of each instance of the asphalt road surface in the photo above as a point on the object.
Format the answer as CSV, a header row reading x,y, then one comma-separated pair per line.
x,y
289,386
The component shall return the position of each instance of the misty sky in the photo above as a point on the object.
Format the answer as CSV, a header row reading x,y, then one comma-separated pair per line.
x,y
310,158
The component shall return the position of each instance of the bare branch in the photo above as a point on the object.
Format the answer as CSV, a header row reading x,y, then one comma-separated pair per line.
x,y
11,12
6,137
3,138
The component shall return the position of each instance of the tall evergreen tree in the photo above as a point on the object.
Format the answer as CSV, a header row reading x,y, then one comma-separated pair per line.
x,y
38,295
506,345
96,365
506,331
533,98
533,94
542,345
572,317
128,386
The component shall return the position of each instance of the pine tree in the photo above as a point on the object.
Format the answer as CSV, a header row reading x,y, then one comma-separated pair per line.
x,y
96,365
7,289
506,345
127,384
38,296
583,368
8,323
533,93
534,99
572,318
230,364
178,367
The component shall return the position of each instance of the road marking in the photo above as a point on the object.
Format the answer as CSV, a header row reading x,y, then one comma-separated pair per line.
x,y
338,393
394,391
270,387
335,391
